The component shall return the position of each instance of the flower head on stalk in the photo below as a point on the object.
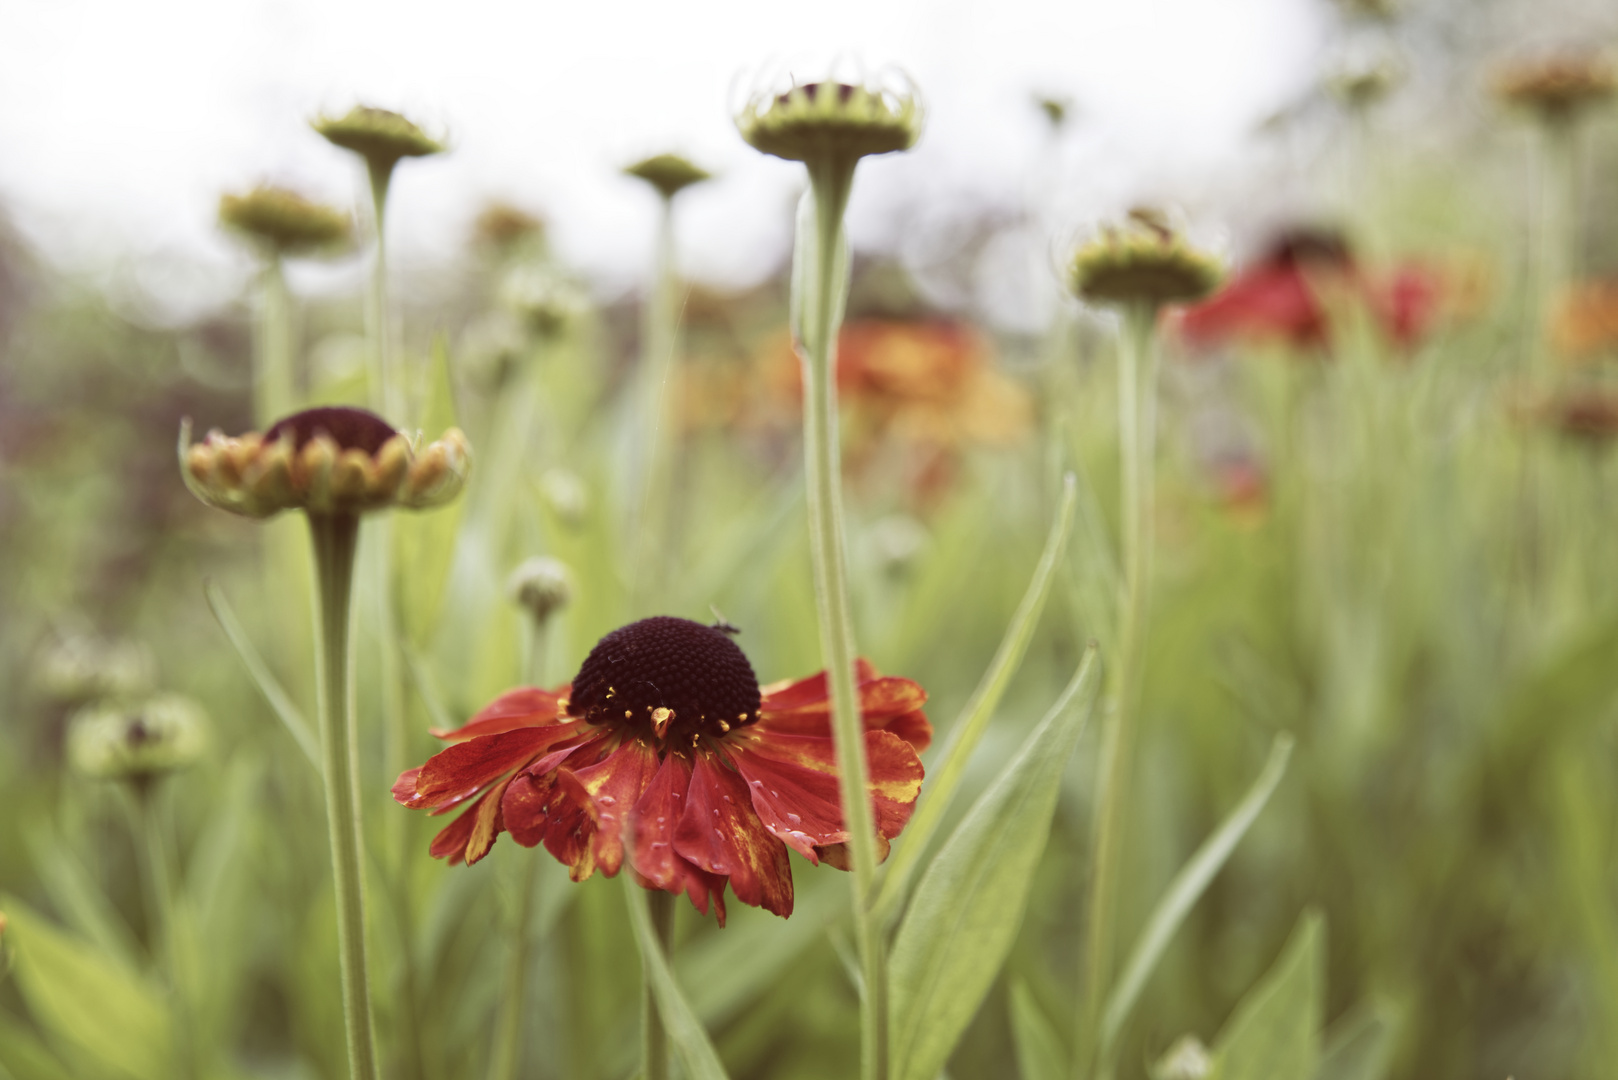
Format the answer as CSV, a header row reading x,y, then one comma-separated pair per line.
x,y
137,741
669,174
1144,260
1557,88
666,753
379,136
821,120
282,222
332,460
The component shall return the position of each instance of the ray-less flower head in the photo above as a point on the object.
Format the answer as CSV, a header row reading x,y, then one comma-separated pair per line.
x,y
381,137
1144,260
666,753
324,461
670,174
541,586
831,121
565,494
546,301
138,740
284,222
505,228
76,664
1557,88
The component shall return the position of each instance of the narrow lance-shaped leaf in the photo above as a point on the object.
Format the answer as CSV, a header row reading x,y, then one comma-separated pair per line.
x,y
967,732
280,701
1359,1046
696,1051
1039,1048
1274,1033
1184,891
970,901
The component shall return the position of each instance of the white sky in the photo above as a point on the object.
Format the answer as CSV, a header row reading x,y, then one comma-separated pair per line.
x,y
122,122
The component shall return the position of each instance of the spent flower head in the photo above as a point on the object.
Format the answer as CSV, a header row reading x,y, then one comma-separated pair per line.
x,y
670,174
1557,88
829,120
379,136
284,222
547,301
1144,260
333,460
140,740
541,586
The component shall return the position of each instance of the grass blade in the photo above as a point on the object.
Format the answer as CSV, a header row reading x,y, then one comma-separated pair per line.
x,y
969,904
1040,1055
280,702
1274,1033
1184,891
974,718
1359,1046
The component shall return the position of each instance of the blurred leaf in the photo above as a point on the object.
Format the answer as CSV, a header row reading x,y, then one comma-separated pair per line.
x,y
1184,891
75,893
690,1041
280,701
1359,1046
1274,1033
968,729
426,686
1569,688
969,903
1040,1055
24,1057
87,998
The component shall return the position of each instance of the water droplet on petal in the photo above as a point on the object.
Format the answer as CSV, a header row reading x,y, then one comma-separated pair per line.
x,y
719,833
794,818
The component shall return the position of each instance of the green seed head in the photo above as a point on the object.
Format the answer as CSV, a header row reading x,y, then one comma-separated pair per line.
x,y
377,135
284,222
1143,260
117,741
670,174
541,586
1557,88
831,121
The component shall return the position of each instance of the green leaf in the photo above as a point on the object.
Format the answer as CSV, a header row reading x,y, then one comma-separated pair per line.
x,y
74,893
1184,891
1359,1046
1040,1055
1275,1032
280,701
970,901
86,998
24,1057
696,1051
968,729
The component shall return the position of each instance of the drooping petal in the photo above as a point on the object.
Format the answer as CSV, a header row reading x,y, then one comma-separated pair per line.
x,y
653,820
886,703
526,706
790,694
610,789
721,833
454,775
537,807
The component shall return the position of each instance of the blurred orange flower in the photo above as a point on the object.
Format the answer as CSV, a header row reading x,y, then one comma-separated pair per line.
x,y
1585,323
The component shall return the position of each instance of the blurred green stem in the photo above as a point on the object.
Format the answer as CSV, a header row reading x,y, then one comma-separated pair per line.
x,y
153,847
335,538
1555,194
1137,438
649,504
831,180
274,382
654,1033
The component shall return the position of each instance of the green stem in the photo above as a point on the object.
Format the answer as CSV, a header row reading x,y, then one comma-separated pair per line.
x,y
387,388
159,887
660,333
274,384
335,539
1137,424
1555,186
831,181
654,1034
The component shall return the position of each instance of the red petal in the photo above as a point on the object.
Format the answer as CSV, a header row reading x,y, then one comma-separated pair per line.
x,y
722,834
789,694
914,728
454,775
653,820
451,841
404,788
610,789
538,806
526,706
884,701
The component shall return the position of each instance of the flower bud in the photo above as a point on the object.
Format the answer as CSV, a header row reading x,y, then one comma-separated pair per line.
x,y
565,494
1143,260
377,135
1557,88
546,301
284,222
831,121
542,586
116,741
670,174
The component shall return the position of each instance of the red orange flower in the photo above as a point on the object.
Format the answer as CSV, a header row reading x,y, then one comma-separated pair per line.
x,y
666,752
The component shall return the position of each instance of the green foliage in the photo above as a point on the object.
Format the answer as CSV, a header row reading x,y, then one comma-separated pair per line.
x,y
1274,1033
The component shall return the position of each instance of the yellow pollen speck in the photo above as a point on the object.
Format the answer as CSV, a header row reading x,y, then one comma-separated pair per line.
x,y
723,726
742,717
628,713
660,719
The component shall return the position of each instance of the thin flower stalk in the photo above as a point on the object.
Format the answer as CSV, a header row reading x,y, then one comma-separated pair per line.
x,y
831,180
654,1032
153,846
650,500
274,379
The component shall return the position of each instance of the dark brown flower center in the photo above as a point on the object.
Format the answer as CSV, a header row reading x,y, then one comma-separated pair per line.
x,y
351,429
667,679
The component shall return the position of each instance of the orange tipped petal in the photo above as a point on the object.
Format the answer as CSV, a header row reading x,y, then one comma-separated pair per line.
x,y
609,789
526,706
722,834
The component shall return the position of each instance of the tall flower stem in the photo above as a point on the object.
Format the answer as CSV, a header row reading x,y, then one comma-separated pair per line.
x,y
335,538
649,508
274,378
820,311
1555,195
153,846
1137,431
654,1034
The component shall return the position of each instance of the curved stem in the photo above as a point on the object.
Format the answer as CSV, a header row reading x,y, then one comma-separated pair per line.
x,y
654,1034
335,538
831,180
1137,427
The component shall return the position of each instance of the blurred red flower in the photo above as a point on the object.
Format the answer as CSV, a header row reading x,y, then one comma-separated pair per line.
x,y
665,749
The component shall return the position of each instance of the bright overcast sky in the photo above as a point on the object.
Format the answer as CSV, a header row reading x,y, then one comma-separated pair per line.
x,y
122,122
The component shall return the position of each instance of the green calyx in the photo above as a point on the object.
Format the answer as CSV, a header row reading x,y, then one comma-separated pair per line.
x,y
285,222
379,136
826,120
670,174
1142,261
